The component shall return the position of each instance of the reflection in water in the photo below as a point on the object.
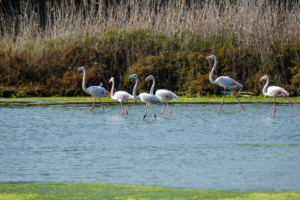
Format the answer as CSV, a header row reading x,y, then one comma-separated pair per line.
x,y
199,147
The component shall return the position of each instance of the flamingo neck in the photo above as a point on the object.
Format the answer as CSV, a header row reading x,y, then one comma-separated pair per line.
x,y
134,89
112,89
264,91
152,87
210,75
83,82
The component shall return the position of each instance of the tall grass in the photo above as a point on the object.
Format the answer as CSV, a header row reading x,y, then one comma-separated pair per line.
x,y
170,39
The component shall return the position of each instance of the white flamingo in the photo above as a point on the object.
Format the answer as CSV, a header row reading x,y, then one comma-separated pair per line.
x,y
144,97
120,96
274,91
223,81
162,94
96,91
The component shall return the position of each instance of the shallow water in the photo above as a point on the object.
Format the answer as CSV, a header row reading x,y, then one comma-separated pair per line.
x,y
198,148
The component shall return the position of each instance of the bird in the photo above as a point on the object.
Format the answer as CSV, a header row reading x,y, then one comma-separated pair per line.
x,y
274,91
96,91
223,81
162,94
144,97
120,96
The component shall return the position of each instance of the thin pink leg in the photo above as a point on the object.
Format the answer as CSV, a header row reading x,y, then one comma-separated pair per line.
x,y
93,104
274,107
145,111
169,109
223,100
129,107
291,105
122,108
152,111
161,109
101,103
237,99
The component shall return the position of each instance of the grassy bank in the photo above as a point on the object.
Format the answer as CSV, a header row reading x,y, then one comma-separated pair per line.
x,y
200,99
168,40
83,190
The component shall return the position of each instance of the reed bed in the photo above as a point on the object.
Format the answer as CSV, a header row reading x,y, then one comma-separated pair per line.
x,y
168,39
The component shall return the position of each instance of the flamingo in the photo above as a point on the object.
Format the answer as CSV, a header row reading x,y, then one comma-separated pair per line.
x,y
121,96
274,91
96,91
144,97
223,81
164,95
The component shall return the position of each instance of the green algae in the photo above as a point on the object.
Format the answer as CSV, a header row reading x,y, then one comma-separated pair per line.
x,y
87,190
183,99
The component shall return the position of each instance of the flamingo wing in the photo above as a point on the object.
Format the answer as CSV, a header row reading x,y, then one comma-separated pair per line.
x,y
276,91
124,96
148,98
98,91
227,82
165,95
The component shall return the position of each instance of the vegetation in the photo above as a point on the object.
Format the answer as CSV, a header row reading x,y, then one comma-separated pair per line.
x,y
168,39
83,190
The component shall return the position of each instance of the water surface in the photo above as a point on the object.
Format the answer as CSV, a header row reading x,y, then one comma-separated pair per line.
x,y
198,148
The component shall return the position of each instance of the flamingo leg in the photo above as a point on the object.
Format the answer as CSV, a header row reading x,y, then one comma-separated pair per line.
x,y
161,109
291,105
153,112
101,103
237,99
93,104
274,107
169,109
145,111
223,100
129,107
122,108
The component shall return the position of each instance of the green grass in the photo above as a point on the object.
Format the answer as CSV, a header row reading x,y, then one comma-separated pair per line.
x,y
85,190
211,99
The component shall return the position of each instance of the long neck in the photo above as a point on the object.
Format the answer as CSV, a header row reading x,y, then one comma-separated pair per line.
x,y
83,82
134,89
210,75
264,91
112,88
152,87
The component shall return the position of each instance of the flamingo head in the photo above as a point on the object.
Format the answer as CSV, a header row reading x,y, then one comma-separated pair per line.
x,y
133,76
211,57
111,79
81,68
149,78
265,77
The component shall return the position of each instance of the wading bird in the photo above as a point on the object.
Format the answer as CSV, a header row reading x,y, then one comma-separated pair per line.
x,y
96,91
144,97
274,91
223,81
120,96
162,94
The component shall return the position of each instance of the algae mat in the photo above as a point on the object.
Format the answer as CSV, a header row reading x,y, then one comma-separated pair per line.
x,y
85,190
212,99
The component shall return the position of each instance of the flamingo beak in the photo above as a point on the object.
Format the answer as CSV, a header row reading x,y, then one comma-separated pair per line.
x,y
261,79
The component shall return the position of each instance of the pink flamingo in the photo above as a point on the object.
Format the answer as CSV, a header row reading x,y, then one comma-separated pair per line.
x,y
164,95
121,96
96,91
144,97
274,91
223,81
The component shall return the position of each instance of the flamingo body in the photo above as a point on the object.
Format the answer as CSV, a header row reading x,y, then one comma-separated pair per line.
x,y
144,97
121,96
274,91
162,94
96,91
224,81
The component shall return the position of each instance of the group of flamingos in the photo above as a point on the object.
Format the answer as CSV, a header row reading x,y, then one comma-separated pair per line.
x,y
165,95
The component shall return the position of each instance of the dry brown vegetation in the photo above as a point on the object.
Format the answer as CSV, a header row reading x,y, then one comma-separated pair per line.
x,y
168,40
